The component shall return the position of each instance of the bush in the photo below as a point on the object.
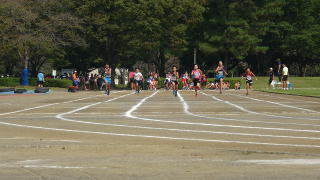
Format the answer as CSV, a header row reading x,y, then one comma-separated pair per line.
x,y
62,83
13,82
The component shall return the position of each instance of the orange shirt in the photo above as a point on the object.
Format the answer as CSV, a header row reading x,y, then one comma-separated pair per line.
x,y
74,76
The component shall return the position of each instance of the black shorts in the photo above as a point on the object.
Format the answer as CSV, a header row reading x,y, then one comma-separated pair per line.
x,y
131,80
285,78
40,82
250,82
196,81
270,81
175,82
138,82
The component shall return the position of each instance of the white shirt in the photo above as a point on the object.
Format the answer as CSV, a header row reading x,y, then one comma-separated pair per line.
x,y
285,71
138,76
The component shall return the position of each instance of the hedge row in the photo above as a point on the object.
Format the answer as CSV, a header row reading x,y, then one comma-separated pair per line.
x,y
13,82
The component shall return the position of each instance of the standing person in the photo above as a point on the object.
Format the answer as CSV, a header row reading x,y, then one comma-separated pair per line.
x,y
220,72
75,79
131,79
40,78
107,78
138,78
196,77
271,76
174,80
249,82
285,73
279,68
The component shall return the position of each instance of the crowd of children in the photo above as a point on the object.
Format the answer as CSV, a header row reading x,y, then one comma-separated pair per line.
x,y
196,80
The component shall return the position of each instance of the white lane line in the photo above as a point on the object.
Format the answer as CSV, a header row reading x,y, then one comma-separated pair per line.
x,y
186,109
45,140
156,137
283,161
279,104
60,116
263,114
38,107
160,137
293,98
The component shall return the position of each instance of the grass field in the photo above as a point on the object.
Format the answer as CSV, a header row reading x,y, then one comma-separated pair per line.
x,y
301,92
298,82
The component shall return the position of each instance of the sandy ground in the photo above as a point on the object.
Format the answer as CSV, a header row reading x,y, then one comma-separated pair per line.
x,y
154,135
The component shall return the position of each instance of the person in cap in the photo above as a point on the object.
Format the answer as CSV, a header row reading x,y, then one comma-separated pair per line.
x,y
271,76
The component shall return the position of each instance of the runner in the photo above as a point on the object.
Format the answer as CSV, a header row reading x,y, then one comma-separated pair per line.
x,y
220,72
174,80
196,77
138,78
249,82
131,79
185,78
107,78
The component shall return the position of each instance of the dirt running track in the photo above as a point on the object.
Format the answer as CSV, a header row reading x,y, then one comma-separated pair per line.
x,y
153,135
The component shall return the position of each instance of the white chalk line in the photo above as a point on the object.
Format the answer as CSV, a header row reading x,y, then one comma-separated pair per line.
x,y
31,138
37,107
60,116
257,113
293,98
279,104
156,137
186,109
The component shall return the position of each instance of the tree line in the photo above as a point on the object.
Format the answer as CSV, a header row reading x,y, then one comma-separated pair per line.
x,y
89,33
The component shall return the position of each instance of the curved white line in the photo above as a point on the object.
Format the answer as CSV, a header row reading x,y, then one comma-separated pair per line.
x,y
263,114
279,104
38,107
158,137
129,114
298,100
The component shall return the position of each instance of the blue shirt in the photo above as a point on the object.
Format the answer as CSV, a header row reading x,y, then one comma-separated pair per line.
x,y
40,77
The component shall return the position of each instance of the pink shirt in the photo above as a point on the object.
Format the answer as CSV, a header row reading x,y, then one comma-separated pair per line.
x,y
196,74
131,75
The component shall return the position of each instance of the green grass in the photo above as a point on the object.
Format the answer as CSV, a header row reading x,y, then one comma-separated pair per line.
x,y
298,82
301,92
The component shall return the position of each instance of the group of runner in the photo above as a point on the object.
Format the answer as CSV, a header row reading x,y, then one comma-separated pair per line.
x,y
136,78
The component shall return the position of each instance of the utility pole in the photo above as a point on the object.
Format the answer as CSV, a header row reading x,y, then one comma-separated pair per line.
x,y
194,56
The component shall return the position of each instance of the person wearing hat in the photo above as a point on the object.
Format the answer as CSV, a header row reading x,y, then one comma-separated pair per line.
x,y
271,76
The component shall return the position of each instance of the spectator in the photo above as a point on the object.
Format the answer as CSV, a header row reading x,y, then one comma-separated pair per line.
x,y
271,77
285,73
237,85
40,78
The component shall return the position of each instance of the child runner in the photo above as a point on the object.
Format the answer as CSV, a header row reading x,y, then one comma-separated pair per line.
x,y
138,80
185,78
220,72
131,78
249,75
174,80
196,76
107,78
